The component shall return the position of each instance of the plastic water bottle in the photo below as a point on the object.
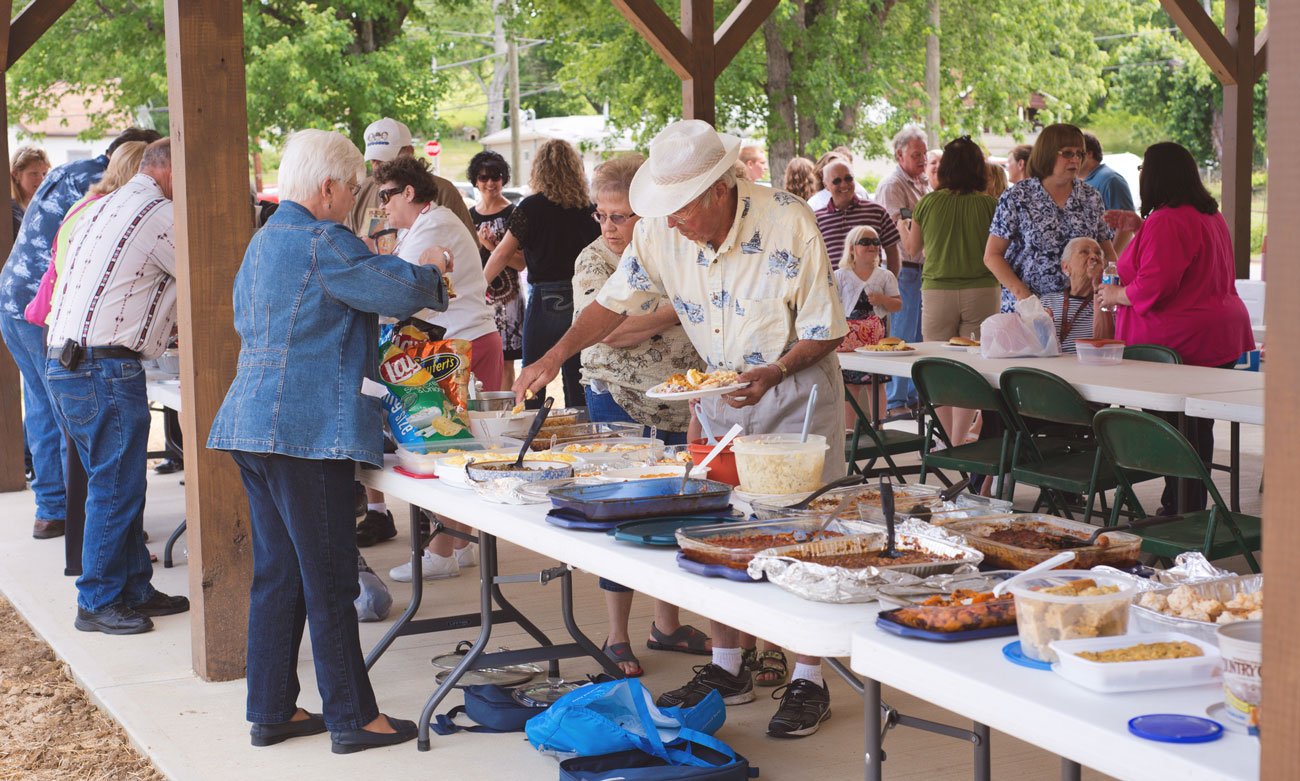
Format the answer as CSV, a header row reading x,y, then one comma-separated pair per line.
x,y
1110,277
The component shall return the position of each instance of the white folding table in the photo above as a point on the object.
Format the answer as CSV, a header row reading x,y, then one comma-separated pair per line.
x,y
165,391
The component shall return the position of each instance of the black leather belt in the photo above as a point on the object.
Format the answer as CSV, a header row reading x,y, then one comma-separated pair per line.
x,y
97,352
913,265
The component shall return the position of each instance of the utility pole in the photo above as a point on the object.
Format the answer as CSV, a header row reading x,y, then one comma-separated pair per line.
x,y
512,53
932,77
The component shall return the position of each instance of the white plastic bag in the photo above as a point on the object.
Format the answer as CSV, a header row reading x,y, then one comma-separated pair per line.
x,y
1029,332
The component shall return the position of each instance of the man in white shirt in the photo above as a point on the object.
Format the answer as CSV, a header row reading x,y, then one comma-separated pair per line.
x,y
117,306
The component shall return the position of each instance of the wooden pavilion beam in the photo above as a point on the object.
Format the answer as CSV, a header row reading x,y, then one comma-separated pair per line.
x,y
30,24
743,22
658,30
11,408
1204,36
214,220
1239,128
1261,52
699,96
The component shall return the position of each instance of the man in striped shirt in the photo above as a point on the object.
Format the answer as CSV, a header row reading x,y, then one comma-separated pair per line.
x,y
118,305
847,211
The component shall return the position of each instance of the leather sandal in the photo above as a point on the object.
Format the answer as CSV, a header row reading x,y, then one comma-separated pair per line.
x,y
621,654
687,640
770,668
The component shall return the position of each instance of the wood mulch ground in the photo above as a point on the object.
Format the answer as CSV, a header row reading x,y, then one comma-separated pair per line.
x,y
49,728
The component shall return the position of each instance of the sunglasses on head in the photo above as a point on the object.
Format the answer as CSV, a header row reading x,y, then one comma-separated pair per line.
x,y
491,177
837,181
867,242
387,195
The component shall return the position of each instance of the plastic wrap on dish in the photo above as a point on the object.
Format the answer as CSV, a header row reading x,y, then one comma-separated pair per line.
x,y
1023,541
734,544
865,503
1199,608
799,568
952,603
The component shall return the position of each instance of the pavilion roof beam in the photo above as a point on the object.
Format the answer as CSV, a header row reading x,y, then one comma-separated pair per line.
x,y
661,33
743,22
30,24
1205,37
1261,52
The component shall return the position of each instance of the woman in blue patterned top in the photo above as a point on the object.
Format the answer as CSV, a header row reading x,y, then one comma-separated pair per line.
x,y
1037,217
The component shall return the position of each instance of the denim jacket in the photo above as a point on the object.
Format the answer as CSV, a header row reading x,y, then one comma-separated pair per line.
x,y
307,298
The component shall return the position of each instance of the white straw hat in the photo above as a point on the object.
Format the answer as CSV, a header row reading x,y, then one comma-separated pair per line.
x,y
685,158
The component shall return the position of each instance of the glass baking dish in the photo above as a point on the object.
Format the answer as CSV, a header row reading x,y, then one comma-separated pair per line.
x,y
1116,549
860,552
642,499
769,507
734,544
603,450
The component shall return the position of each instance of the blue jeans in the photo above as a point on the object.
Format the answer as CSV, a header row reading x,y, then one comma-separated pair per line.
x,y
906,325
304,572
26,343
103,407
601,408
547,318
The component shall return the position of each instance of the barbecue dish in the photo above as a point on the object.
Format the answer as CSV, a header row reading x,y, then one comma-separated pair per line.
x,y
1185,603
735,550
1020,543
1034,539
961,611
1143,652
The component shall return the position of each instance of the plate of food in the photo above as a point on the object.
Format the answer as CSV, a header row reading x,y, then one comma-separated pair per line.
x,y
961,344
890,345
696,384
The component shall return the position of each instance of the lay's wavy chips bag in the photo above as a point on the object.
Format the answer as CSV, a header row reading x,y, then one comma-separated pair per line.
x,y
428,385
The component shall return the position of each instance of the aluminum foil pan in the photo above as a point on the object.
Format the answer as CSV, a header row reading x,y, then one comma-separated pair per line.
x,y
821,583
1144,619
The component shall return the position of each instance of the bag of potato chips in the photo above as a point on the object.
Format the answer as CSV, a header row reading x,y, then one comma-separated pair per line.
x,y
428,385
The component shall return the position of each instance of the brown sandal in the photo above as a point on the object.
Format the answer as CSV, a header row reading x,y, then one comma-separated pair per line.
x,y
771,668
687,640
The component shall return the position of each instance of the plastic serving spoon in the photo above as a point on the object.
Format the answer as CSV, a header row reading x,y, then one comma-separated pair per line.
x,y
1052,563
887,507
807,414
532,431
718,448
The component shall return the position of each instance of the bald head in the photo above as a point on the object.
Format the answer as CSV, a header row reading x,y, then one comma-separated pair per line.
x,y
837,177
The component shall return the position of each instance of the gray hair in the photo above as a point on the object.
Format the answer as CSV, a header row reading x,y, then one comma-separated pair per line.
x,y
312,156
907,135
613,178
1073,245
157,155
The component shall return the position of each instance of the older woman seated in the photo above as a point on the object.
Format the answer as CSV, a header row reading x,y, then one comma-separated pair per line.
x,y
1076,312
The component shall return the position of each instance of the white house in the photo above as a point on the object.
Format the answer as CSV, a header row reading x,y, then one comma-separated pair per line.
x,y
592,135
58,133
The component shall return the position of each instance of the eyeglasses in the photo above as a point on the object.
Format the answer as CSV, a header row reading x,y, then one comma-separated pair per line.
x,y
387,195
867,242
353,187
614,219
495,177
837,181
1077,155
686,212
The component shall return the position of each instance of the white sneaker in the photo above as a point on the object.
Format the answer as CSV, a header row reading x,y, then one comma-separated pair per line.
x,y
467,556
433,567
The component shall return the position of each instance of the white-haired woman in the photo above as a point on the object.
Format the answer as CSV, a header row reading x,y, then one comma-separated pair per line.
x,y
869,293
306,303
1076,311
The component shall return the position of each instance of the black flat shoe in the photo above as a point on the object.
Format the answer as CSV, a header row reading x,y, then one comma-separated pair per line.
x,y
162,605
47,530
354,740
168,466
270,734
116,619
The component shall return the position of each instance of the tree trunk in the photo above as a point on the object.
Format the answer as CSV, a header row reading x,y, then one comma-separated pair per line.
x,y
781,115
496,89
932,76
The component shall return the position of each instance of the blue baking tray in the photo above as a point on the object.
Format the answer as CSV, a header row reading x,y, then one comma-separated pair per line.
x,y
568,520
642,499
715,570
885,620
661,532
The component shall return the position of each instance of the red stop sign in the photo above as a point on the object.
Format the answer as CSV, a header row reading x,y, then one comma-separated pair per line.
x,y
433,148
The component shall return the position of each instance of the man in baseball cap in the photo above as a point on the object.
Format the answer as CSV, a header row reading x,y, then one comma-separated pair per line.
x,y
746,270
386,139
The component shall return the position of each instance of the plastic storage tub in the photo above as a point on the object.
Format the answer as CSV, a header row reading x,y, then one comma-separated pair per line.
x,y
734,544
1099,352
1116,549
1109,677
1043,618
722,467
422,459
779,463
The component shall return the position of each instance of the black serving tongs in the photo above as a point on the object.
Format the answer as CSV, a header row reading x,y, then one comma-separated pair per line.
x,y
950,493
887,507
832,485
532,431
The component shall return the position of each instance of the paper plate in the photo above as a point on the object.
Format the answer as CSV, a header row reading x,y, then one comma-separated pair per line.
x,y
886,353
655,393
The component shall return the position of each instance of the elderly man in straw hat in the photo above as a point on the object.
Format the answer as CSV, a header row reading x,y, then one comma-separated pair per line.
x,y
746,269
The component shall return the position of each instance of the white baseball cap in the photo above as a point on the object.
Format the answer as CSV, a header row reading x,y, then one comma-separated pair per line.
x,y
385,138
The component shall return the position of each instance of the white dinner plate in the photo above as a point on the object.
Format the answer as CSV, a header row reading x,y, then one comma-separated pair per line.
x,y
654,393
961,348
886,353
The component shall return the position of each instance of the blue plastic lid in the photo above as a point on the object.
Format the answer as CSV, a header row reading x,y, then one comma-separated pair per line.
x,y
1015,654
1175,728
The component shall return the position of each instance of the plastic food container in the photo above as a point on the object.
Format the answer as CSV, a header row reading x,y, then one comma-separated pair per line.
x,y
1146,619
723,466
779,463
1044,618
1099,352
423,458
1116,549
170,362
734,544
1109,677
491,426
601,450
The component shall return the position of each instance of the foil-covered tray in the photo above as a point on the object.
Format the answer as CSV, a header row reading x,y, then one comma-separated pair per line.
x,y
865,503
1147,620
734,544
821,583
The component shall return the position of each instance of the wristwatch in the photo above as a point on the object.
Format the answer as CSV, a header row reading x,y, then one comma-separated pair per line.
x,y
785,372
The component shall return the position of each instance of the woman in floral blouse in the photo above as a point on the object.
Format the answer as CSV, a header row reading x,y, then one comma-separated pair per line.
x,y
639,354
1037,217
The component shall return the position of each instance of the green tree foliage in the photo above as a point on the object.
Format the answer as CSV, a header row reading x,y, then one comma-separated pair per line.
x,y
339,64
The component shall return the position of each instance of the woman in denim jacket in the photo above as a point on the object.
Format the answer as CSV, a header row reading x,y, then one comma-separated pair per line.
x,y
296,421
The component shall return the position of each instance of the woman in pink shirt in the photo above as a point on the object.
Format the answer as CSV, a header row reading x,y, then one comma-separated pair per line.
x,y
1178,277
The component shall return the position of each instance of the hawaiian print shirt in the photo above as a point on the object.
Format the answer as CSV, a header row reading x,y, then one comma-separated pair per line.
x,y
744,303
1038,230
628,372
22,273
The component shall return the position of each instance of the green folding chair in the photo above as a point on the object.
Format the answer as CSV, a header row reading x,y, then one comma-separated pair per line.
x,y
1057,466
1137,441
878,443
942,382
1153,353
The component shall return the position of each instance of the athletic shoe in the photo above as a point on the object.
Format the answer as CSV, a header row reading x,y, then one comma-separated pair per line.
x,y
467,556
375,528
735,689
804,706
432,567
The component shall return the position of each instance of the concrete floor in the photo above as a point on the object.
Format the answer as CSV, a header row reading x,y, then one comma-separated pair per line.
x,y
195,730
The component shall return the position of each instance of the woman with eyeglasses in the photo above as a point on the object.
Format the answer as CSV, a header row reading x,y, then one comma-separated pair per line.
x,y
1038,216
490,173
869,293
552,226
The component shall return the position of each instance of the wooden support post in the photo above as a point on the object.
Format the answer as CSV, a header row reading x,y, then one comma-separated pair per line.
x,y
698,93
11,409
30,24
214,220
1281,712
1239,128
